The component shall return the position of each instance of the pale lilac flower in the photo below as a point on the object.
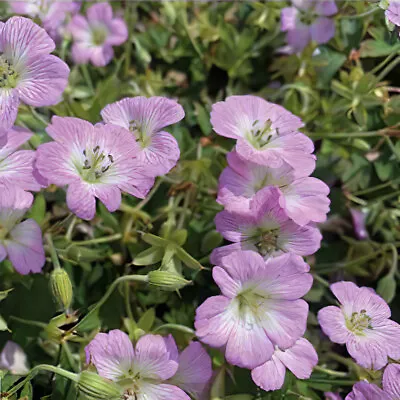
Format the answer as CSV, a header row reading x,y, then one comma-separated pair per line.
x,y
146,118
265,227
20,241
194,371
93,161
304,199
95,36
362,323
266,133
359,217
393,12
141,371
308,20
16,166
52,13
367,391
300,359
14,359
28,72
259,308
391,381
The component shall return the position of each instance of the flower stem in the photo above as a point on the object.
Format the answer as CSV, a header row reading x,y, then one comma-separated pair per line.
x,y
53,252
37,324
105,239
362,15
330,371
388,68
88,79
176,327
40,368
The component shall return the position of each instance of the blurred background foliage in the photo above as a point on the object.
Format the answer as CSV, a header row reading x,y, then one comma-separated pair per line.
x,y
348,94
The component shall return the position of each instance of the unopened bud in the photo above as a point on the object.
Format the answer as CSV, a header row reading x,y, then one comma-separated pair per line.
x,y
167,280
61,287
97,388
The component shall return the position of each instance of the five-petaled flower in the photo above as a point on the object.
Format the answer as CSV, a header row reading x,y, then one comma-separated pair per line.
x,y
308,20
28,72
95,36
266,133
146,118
93,161
362,323
147,370
260,307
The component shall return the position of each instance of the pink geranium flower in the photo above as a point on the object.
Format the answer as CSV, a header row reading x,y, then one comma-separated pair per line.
x,y
300,359
146,371
28,72
393,12
308,20
266,133
52,13
146,118
93,161
95,36
20,242
16,166
265,227
259,308
304,199
362,323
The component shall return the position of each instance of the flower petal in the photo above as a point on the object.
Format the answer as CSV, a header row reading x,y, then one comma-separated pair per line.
x,y
160,392
109,195
9,103
391,380
367,391
322,30
25,247
81,200
270,375
112,354
14,359
333,324
43,81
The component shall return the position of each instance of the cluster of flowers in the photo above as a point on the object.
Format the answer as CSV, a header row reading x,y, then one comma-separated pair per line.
x,y
271,206
123,154
93,36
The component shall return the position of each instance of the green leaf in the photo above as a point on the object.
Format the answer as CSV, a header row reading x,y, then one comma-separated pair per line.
x,y
203,118
4,294
329,63
38,209
27,392
146,321
187,259
150,256
3,324
377,48
210,241
387,288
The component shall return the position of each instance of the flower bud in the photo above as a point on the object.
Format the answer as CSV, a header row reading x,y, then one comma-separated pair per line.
x,y
61,287
167,280
97,388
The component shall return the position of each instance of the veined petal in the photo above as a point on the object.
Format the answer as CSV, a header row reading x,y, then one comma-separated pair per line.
x,y
367,391
110,196
391,380
43,81
25,247
112,354
270,375
322,30
16,137
9,103
160,392
100,56
333,324
153,359
81,200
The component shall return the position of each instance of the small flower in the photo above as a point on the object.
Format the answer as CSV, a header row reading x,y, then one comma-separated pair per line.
x,y
93,161
141,371
265,227
304,199
393,12
95,36
28,72
306,21
16,166
367,391
14,359
20,241
259,308
145,118
52,13
300,359
360,229
266,133
194,371
362,323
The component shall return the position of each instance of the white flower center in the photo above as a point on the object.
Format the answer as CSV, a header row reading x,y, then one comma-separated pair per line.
x,y
261,133
96,164
99,35
267,241
139,130
8,76
359,322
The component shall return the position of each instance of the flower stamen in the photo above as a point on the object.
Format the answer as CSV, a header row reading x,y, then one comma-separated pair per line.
x,y
8,76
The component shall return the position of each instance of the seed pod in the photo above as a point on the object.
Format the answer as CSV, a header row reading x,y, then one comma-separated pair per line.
x,y
61,288
97,388
167,280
